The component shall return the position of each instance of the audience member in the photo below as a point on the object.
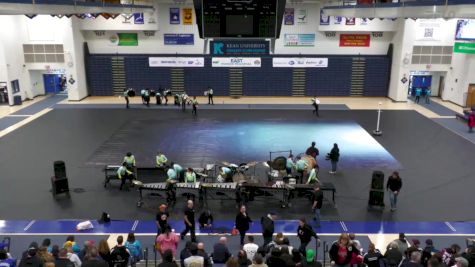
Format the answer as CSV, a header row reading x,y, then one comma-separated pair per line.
x,y
258,261
461,262
167,261
32,246
92,259
243,260
274,259
167,241
310,260
55,252
72,256
296,257
6,261
449,254
356,243
393,255
202,253
285,255
305,234
232,262
341,252
44,255
415,260
104,251
63,260
185,253
88,244
194,260
402,243
428,252
250,247
221,252
47,243
134,247
469,254
373,257
417,244
70,241
31,259
119,254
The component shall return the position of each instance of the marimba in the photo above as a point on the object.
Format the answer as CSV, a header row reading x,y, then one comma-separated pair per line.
x,y
161,188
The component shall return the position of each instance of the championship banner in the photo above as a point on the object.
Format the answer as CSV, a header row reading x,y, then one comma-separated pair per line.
x,y
288,62
176,62
302,16
289,16
324,19
187,16
350,21
299,39
179,39
354,40
236,62
128,39
174,15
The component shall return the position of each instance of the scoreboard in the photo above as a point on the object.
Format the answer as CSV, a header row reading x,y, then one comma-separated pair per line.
x,y
239,18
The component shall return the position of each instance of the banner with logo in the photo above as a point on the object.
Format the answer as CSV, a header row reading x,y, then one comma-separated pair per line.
x,y
465,48
179,39
354,40
174,15
302,17
337,20
324,19
289,16
236,62
138,18
128,39
350,21
299,39
179,62
239,48
287,62
187,16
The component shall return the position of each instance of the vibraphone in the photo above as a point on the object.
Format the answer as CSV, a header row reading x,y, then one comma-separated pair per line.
x,y
144,174
188,189
160,188
110,173
277,191
219,191
308,189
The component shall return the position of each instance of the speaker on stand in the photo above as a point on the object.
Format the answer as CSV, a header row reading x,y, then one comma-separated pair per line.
x,y
59,182
376,193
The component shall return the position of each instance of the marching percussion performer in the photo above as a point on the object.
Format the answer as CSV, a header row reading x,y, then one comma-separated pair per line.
x,y
184,97
124,174
158,97
315,104
129,160
312,177
195,105
301,166
146,97
190,176
224,175
166,93
289,164
179,171
210,96
161,160
127,93
171,180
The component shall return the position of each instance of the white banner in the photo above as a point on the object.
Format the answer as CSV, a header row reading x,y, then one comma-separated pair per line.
x,y
176,62
301,62
236,62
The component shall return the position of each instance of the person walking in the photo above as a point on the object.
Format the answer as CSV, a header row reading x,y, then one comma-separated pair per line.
x,y
418,95
315,104
334,156
210,96
317,203
167,240
189,220
194,103
242,222
305,234
428,93
471,122
394,186
161,218
267,225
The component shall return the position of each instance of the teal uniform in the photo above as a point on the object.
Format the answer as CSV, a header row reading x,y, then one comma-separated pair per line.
x,y
301,165
130,160
161,159
171,174
289,164
190,177
122,171
312,178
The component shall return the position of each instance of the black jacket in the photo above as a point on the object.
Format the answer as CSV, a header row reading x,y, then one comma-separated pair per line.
x,y
221,253
334,254
275,262
267,225
394,184
305,233
393,257
334,154
242,222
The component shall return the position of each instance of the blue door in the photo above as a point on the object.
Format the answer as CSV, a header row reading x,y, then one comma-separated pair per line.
x,y
51,82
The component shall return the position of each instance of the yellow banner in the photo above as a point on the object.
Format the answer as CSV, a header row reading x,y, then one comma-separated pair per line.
x,y
187,16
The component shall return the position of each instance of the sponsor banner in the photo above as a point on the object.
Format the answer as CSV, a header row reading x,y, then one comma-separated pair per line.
x,y
428,30
299,39
302,17
176,62
236,62
239,48
128,39
324,19
465,48
174,15
350,21
179,39
289,16
364,21
337,20
355,40
138,18
286,62
187,16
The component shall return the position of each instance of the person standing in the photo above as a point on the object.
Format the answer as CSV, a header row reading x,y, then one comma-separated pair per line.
x,y
179,171
189,220
301,165
305,234
124,174
190,176
334,156
167,240
162,218
317,203
129,160
210,96
267,225
195,105
242,222
394,186
418,94
373,257
146,97
161,159
341,252
166,93
428,93
315,104
471,122
184,97
289,165
312,150
126,96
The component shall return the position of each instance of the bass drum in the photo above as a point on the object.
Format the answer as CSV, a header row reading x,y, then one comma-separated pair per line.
x,y
311,162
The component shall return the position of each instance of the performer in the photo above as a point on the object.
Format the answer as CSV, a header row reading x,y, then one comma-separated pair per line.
x,y
171,180
267,225
126,96
142,94
179,171
161,160
124,174
224,175
312,178
189,220
301,166
146,97
242,223
317,203
289,164
190,176
312,150
162,218
158,97
129,160
184,97
206,219
305,234
210,96
315,104
195,104
166,93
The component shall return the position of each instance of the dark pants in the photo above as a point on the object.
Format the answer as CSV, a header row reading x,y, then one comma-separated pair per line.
x,y
183,105
303,248
417,99
166,100
194,110
288,170
129,177
159,100
316,110
210,99
126,102
267,239
147,100
190,229
243,236
300,176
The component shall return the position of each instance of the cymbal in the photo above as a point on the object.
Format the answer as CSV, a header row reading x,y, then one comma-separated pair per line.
x,y
225,163
137,183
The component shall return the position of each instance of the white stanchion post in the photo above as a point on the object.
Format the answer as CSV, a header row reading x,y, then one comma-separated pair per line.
x,y
378,131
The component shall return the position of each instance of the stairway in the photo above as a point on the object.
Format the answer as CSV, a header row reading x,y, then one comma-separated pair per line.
x,y
298,82
357,76
235,82
177,77
118,75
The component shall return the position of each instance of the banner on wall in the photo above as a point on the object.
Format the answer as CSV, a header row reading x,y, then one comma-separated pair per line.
x,y
337,20
138,18
302,17
239,48
354,40
174,15
128,39
350,21
187,16
324,19
464,48
364,21
289,16
428,30
299,39
286,62
236,62
179,39
179,62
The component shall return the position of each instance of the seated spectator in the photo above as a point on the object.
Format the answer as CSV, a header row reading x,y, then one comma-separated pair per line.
x,y
72,256
88,244
310,260
258,261
417,244
120,254
402,243
250,247
415,260
93,259
44,255
232,262
373,257
434,262
194,259
63,260
33,245
461,262
55,251
296,257
70,241
341,252
449,254
168,241
275,260
167,261
407,255
469,254
428,252
243,261
49,264
393,255
47,243
286,243
31,259
202,253
356,242
6,261
104,251
277,241
185,253
134,248
285,255
220,251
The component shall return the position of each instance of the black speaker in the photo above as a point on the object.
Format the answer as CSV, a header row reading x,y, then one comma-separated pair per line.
x,y
59,169
376,193
59,185
377,182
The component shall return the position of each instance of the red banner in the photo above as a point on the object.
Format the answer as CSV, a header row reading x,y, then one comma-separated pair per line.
x,y
355,40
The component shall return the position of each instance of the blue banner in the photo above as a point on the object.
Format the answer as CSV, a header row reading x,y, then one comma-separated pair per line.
x,y
174,15
138,18
179,39
239,48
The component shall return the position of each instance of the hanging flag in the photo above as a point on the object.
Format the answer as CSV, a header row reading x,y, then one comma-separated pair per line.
x,y
289,16
174,15
187,16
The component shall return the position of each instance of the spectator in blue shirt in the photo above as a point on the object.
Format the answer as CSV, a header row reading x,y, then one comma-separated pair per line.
x,y
418,94
5,260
